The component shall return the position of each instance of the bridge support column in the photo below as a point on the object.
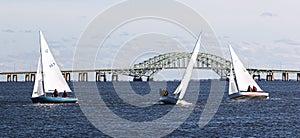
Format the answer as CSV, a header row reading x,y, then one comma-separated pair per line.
x,y
97,76
104,76
32,77
12,78
114,77
258,77
79,76
100,75
285,76
83,77
67,76
270,76
137,78
298,76
15,78
27,78
9,79
149,78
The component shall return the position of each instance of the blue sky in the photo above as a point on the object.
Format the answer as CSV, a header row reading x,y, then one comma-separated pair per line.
x,y
265,34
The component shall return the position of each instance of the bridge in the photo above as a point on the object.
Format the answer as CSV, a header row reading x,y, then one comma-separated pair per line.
x,y
149,68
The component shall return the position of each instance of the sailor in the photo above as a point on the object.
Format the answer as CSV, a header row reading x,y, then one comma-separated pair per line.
x,y
249,89
65,94
254,89
55,93
166,93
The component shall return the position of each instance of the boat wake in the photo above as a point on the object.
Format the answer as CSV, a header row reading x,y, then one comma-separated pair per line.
x,y
49,104
284,99
275,99
183,103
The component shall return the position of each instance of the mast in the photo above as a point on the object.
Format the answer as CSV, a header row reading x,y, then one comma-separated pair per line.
x,y
181,89
40,32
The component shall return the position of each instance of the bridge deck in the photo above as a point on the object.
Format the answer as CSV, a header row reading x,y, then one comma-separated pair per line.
x,y
117,70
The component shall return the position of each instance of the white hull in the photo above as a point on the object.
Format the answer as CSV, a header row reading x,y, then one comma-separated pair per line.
x,y
249,96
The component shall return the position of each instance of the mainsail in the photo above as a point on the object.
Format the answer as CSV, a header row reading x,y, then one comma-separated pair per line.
x,y
243,78
53,78
181,89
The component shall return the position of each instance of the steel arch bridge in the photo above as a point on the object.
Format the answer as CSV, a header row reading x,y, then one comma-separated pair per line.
x,y
178,60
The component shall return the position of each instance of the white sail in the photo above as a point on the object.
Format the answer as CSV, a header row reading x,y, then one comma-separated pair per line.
x,y
181,89
243,78
232,84
53,78
38,84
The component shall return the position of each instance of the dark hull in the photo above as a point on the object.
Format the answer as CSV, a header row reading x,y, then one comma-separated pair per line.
x,y
168,100
43,99
249,96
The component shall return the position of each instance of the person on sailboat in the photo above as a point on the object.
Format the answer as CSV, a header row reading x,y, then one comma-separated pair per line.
x,y
65,94
55,93
163,92
254,89
166,93
249,89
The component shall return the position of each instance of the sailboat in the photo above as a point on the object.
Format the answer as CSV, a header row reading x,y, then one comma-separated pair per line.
x,y
48,78
241,82
179,93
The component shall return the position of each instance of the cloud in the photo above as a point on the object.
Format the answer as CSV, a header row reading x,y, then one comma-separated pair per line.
x,y
288,41
125,34
268,14
27,31
279,54
8,30
14,31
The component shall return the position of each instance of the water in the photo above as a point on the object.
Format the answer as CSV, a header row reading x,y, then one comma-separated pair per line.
x,y
276,117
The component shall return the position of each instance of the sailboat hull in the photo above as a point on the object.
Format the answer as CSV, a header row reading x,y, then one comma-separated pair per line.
x,y
168,100
249,96
43,99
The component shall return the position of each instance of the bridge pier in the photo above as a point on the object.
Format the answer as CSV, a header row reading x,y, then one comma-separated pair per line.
x,y
100,75
114,77
150,78
285,76
256,76
83,76
8,79
298,76
270,76
67,76
97,76
137,78
104,76
15,78
12,78
27,78
32,77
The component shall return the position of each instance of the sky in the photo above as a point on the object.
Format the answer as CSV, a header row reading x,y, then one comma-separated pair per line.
x,y
265,34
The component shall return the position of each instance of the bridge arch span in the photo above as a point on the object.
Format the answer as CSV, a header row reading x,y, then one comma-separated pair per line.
x,y
179,60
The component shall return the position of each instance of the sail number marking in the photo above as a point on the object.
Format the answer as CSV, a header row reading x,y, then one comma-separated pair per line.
x,y
52,65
